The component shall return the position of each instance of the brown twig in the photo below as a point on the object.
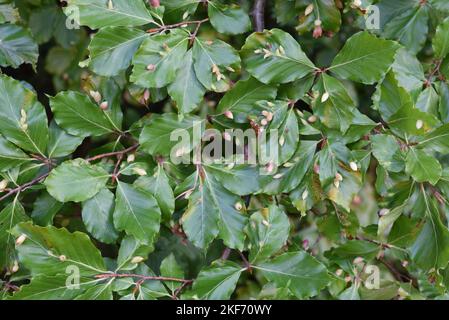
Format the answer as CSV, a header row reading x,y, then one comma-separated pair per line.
x,y
259,15
39,179
141,277
226,253
176,25
112,154
246,262
428,81
25,186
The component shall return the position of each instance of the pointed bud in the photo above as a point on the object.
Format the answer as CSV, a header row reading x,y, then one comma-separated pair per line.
x,y
336,183
270,167
185,15
238,206
151,67
288,165
305,194
419,124
227,136
146,95
358,260
104,105
95,95
137,259
338,177
131,157
353,166
265,223
20,239
110,5
15,267
140,171
282,141
312,119
278,176
3,185
305,244
325,97
309,9
228,114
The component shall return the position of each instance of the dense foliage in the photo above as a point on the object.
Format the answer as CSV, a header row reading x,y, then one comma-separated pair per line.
x,y
352,205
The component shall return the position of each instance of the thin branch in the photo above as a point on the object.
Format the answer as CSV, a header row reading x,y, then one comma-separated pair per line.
x,y
39,179
25,186
141,277
176,25
112,154
259,15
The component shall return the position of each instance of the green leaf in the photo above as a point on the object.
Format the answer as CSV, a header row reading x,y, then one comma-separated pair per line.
x,y
159,58
228,19
409,28
160,136
98,13
130,247
389,97
23,118
386,222
176,9
170,268
44,209
76,114
214,211
328,13
10,155
441,40
406,121
387,152
10,216
274,56
97,216
241,98
364,58
335,106
353,249
60,143
290,175
76,180
240,179
440,5
268,231
428,101
16,46
431,248
137,213
53,287
437,140
187,90
112,49
214,60
158,185
218,281
408,71
49,251
422,167
304,275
